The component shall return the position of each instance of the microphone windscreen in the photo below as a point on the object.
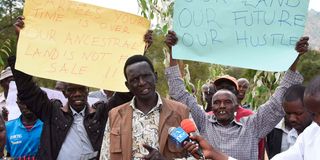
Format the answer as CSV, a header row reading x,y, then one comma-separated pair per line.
x,y
188,126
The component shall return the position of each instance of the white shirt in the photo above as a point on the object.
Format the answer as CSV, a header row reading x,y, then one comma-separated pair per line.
x,y
306,146
285,130
292,137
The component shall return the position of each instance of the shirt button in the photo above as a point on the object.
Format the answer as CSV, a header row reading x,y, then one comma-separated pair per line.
x,y
89,127
65,126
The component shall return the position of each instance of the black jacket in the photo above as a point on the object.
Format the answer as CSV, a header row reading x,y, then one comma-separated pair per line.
x,y
57,119
274,140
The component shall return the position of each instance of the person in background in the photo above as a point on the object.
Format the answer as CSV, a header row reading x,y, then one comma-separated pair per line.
x,y
5,79
23,134
297,117
243,84
102,94
308,142
207,94
59,86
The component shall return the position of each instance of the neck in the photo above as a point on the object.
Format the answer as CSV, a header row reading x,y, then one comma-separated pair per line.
x,y
146,105
225,122
78,109
28,120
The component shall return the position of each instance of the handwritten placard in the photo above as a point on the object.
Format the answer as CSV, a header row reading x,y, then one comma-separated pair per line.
x,y
79,43
256,34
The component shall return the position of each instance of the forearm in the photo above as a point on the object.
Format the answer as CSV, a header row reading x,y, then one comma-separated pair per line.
x,y
178,92
30,94
270,113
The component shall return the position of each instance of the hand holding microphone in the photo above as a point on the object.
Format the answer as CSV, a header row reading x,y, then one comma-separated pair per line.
x,y
201,149
181,136
190,128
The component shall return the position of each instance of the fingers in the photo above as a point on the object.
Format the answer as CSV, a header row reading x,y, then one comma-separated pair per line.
x,y
171,39
302,45
191,148
149,148
154,154
20,22
148,37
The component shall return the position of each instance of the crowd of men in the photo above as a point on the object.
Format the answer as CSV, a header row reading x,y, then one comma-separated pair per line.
x,y
136,125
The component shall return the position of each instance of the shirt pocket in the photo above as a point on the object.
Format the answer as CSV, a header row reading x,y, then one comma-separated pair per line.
x,y
115,140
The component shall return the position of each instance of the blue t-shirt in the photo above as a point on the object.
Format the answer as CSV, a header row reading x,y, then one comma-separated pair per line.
x,y
20,141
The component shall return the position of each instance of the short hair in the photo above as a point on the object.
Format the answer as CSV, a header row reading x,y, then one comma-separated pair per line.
x,y
314,87
244,80
233,96
135,59
293,93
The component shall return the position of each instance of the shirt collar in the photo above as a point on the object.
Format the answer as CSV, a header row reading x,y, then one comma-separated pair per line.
x,y
102,92
213,119
157,106
38,123
282,126
76,113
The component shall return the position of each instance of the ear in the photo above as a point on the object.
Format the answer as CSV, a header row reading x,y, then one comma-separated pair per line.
x,y
156,76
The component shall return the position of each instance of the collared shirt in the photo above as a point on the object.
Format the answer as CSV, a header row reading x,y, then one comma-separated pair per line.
x,y
292,137
284,141
238,139
77,144
306,146
144,130
22,142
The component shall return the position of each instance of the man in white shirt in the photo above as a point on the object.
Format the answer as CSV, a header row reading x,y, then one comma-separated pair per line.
x,y
308,142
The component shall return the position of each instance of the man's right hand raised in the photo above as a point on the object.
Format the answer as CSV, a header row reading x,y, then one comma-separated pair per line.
x,y
19,25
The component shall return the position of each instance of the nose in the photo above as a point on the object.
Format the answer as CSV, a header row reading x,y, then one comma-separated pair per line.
x,y
292,118
141,81
222,105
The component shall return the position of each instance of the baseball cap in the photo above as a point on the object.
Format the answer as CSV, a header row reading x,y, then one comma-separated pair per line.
x,y
228,78
5,73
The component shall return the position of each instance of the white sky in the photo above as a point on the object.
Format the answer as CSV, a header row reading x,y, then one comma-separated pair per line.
x,y
314,4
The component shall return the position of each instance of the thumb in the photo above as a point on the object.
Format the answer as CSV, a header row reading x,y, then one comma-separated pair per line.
x,y
149,148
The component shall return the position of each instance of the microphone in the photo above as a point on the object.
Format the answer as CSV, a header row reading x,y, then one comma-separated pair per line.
x,y
178,135
190,128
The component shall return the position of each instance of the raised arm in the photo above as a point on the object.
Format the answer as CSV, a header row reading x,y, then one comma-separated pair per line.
x,y
270,113
30,94
177,89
